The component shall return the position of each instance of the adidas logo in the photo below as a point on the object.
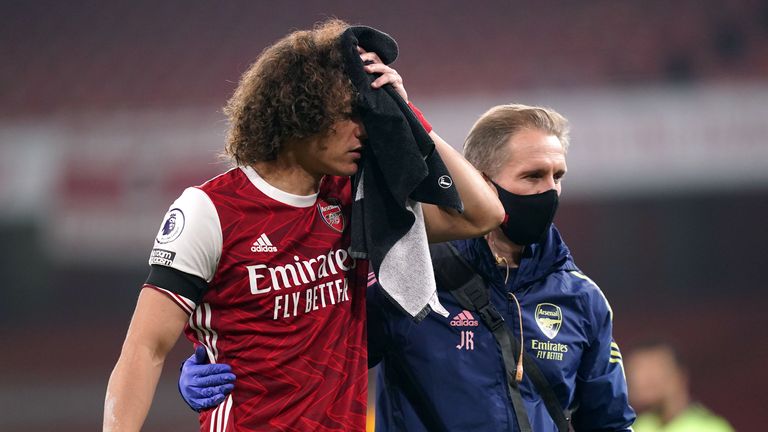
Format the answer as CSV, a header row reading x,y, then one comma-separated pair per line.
x,y
262,244
464,319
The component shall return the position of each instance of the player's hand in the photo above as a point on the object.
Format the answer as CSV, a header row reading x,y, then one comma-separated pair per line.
x,y
203,385
373,64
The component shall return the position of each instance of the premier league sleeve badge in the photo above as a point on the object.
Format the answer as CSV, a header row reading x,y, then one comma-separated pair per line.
x,y
173,225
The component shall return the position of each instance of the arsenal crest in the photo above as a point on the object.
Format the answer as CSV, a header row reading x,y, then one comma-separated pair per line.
x,y
331,213
549,318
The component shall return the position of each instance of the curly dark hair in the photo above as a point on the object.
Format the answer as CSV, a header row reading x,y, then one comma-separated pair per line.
x,y
296,89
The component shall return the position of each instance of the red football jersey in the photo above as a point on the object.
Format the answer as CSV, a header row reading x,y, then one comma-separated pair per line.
x,y
284,303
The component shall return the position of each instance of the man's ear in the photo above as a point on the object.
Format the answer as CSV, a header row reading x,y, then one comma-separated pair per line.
x,y
489,182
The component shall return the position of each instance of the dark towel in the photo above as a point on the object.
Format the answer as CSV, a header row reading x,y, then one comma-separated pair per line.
x,y
399,169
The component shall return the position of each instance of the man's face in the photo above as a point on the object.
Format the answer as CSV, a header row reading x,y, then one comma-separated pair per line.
x,y
652,378
535,163
337,152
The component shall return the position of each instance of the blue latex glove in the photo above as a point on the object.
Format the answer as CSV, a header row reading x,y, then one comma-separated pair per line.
x,y
203,385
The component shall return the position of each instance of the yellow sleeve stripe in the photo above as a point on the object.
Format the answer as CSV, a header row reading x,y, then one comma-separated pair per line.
x,y
621,365
615,350
582,276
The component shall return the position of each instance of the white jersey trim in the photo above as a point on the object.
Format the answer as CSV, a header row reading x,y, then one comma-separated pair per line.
x,y
200,322
220,416
184,303
277,194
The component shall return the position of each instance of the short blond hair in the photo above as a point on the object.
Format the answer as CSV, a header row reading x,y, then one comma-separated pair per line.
x,y
485,146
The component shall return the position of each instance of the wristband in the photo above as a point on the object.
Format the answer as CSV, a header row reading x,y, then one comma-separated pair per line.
x,y
420,116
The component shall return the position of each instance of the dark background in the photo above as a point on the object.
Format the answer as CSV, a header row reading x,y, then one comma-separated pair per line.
x,y
676,241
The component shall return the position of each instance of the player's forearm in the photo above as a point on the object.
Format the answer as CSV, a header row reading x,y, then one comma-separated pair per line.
x,y
482,209
131,389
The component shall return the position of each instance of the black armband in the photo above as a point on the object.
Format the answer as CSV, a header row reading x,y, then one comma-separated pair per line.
x,y
176,281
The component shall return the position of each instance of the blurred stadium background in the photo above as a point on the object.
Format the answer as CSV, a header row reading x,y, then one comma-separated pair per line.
x,y
109,109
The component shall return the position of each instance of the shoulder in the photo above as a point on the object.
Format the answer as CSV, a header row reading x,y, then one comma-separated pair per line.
x,y
231,179
588,298
192,207
699,418
646,422
190,237
585,288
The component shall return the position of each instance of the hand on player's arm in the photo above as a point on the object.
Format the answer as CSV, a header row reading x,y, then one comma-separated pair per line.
x,y
156,325
203,385
482,209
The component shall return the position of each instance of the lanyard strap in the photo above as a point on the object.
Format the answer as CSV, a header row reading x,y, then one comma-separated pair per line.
x,y
455,274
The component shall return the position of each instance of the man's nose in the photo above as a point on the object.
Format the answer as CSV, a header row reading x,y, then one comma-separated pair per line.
x,y
548,184
360,129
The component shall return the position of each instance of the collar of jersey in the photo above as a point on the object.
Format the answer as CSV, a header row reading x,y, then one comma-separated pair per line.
x,y
277,194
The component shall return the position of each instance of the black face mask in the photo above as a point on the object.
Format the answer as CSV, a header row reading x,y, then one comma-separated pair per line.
x,y
528,216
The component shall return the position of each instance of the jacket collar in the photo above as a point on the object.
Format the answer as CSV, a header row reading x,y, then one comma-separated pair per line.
x,y
539,260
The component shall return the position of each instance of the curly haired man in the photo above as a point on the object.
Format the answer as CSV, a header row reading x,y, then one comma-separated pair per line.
x,y
256,268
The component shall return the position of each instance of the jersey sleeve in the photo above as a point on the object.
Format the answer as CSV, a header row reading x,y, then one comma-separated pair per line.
x,y
601,387
187,249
